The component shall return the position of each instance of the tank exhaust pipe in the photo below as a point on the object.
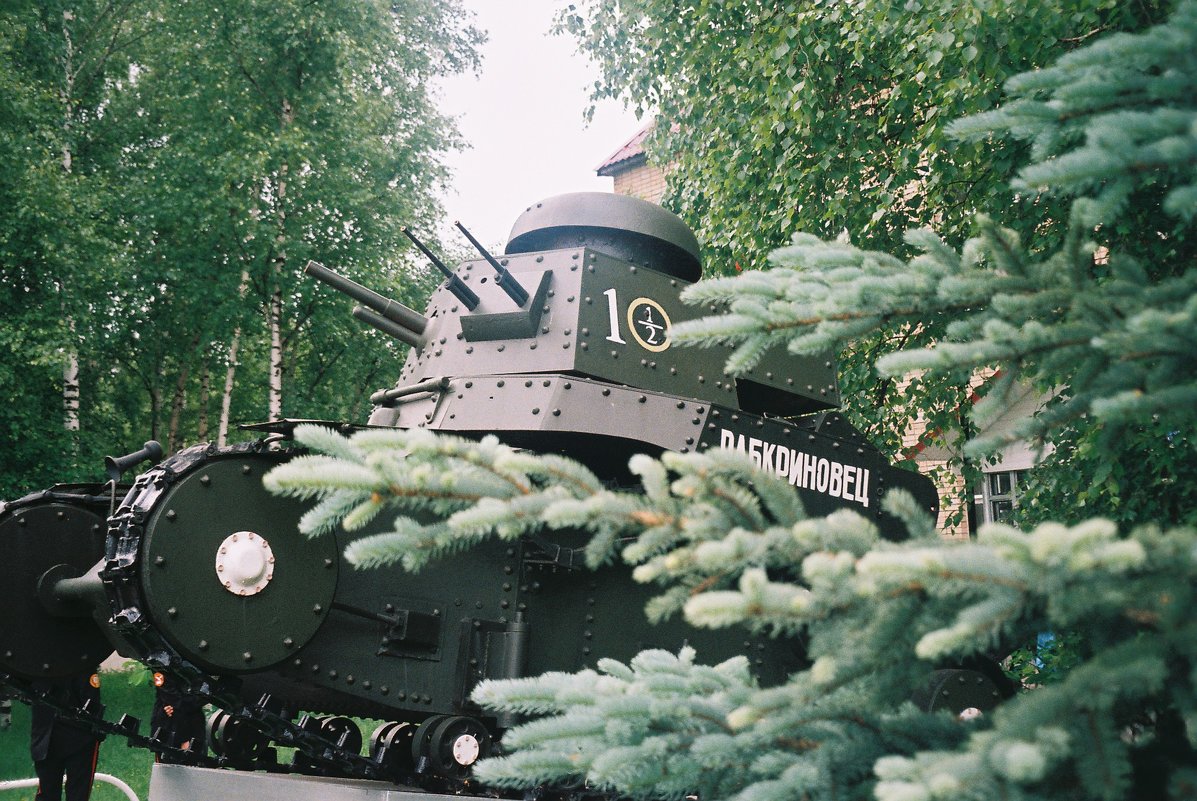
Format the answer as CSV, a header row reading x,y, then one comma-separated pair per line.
x,y
506,280
116,466
458,287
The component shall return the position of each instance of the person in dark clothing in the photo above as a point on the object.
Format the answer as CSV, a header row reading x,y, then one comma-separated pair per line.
x,y
177,719
62,749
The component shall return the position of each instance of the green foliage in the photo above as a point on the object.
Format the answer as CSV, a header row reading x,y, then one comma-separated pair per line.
x,y
1111,332
174,166
1116,715
1133,474
292,134
1048,660
59,234
825,117
833,119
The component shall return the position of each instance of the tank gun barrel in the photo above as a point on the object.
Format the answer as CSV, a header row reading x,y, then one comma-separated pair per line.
x,y
458,287
392,311
506,281
388,327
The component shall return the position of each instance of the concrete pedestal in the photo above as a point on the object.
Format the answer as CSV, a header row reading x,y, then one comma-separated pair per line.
x,y
184,783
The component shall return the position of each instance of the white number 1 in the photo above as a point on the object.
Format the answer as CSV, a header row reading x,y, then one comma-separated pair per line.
x,y
613,312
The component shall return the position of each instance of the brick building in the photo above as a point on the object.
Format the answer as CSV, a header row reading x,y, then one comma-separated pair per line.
x,y
628,167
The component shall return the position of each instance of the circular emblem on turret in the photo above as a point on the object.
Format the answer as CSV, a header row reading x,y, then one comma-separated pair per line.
x,y
649,324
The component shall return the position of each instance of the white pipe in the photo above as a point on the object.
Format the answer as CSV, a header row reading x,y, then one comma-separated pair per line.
x,y
22,784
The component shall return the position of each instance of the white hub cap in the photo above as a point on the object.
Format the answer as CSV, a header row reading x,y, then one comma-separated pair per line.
x,y
244,563
465,750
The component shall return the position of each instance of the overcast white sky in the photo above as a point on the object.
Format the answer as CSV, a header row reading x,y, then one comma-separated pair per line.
x,y
522,117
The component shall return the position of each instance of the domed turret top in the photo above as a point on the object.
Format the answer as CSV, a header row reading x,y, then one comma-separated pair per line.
x,y
621,226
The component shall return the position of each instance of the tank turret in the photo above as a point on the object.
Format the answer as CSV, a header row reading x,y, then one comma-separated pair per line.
x,y
591,354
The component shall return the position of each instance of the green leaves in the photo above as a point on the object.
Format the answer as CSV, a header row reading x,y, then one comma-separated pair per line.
x,y
776,119
1103,331
212,151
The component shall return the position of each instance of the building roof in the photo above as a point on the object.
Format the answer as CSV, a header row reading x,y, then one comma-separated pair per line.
x,y
630,154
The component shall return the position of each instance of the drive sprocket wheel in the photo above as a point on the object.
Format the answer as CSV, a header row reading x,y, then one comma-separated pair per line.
x,y
226,575
47,537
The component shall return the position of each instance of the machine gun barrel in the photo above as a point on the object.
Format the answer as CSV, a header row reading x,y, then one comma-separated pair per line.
x,y
506,281
391,310
458,287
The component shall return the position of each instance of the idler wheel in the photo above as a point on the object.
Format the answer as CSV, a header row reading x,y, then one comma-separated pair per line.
x,y
42,638
451,744
227,577
457,743
342,731
235,738
420,740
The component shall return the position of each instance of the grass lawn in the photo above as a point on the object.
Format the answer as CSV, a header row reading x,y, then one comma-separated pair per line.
x,y
116,759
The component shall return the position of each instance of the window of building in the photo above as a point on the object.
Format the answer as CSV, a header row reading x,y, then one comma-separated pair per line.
x,y
997,496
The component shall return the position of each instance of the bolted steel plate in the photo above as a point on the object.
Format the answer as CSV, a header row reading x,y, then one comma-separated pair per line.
x,y
33,642
968,693
227,576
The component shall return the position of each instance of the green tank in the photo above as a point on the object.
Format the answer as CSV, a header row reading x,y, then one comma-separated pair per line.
x,y
562,344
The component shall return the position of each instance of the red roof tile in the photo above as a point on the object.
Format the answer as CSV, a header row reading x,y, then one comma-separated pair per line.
x,y
632,149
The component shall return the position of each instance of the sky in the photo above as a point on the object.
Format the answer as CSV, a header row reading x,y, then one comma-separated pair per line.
x,y
522,117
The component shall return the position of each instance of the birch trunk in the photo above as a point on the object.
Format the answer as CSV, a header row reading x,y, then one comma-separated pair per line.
x,y
277,267
201,429
226,398
70,388
70,370
276,350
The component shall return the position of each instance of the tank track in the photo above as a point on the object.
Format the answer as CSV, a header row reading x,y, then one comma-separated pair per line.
x,y
248,728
